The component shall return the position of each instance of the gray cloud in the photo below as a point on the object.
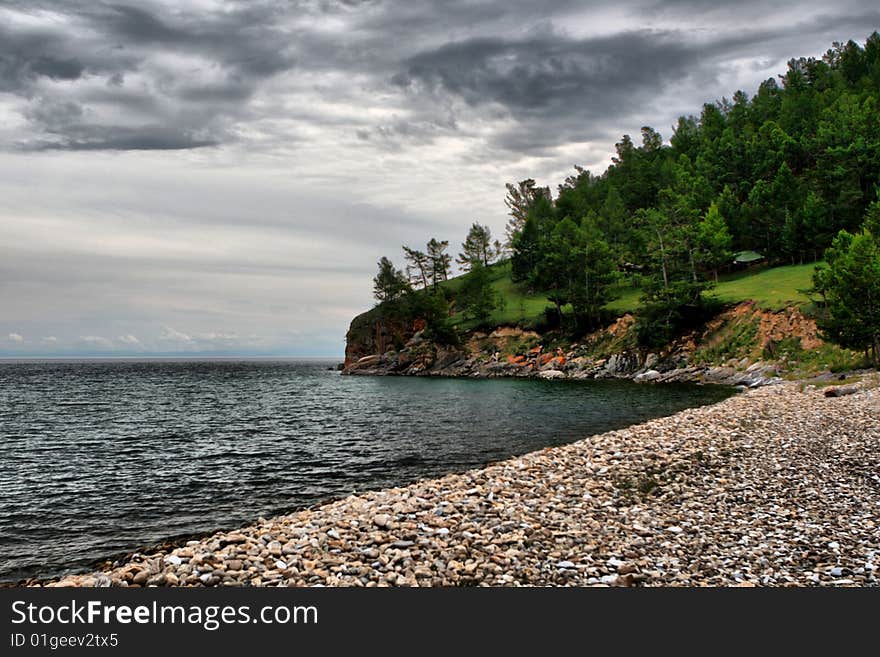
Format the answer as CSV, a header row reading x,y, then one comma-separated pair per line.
x,y
551,72
193,74
556,88
190,73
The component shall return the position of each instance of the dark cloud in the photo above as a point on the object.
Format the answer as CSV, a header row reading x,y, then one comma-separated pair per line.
x,y
24,58
192,74
195,71
65,125
84,137
560,89
550,79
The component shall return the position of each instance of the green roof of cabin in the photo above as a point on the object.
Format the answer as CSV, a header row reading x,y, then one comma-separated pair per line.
x,y
747,256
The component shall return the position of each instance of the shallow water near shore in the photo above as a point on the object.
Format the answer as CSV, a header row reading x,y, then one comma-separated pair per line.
x,y
103,457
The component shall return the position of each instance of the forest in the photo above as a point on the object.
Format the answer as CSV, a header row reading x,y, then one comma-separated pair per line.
x,y
789,175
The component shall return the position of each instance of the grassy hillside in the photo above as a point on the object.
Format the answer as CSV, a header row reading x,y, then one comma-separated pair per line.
x,y
518,305
772,289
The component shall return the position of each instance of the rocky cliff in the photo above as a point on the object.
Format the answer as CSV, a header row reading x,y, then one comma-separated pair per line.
x,y
743,345
373,333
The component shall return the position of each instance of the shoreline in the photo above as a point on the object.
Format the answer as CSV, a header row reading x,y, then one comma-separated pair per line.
x,y
776,486
627,365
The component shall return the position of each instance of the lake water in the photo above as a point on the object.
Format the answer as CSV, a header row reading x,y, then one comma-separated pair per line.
x,y
99,458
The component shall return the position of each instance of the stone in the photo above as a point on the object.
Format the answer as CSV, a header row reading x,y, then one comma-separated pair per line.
x,y
841,392
141,577
382,520
551,374
230,539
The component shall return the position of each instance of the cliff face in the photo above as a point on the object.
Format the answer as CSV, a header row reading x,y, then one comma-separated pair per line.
x,y
743,345
372,333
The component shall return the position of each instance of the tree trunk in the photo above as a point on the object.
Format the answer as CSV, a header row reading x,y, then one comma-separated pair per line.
x,y
589,305
663,266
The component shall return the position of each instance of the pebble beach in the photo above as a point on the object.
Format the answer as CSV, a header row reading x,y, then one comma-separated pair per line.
x,y
776,486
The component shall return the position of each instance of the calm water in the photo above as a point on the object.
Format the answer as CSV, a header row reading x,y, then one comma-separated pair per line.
x,y
98,458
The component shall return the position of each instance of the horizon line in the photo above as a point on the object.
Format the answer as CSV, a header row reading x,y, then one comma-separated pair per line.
x,y
170,357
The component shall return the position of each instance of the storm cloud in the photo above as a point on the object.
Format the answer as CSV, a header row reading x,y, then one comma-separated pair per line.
x,y
231,171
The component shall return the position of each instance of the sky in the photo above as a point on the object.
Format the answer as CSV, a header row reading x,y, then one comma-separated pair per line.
x,y
220,178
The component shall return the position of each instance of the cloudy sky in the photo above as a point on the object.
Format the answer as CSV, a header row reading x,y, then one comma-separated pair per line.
x,y
221,177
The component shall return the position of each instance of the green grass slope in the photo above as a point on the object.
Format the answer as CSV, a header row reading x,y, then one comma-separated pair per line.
x,y
771,288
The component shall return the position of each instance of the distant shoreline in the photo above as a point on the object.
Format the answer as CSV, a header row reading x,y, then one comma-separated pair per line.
x,y
90,359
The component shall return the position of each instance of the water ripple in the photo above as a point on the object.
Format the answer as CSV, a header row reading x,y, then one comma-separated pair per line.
x,y
98,458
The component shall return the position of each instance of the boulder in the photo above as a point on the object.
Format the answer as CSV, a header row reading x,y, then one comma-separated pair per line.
x,y
416,339
552,374
841,391
367,361
645,377
621,364
719,375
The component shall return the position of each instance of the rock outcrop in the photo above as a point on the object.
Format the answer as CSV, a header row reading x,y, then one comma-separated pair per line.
x,y
737,348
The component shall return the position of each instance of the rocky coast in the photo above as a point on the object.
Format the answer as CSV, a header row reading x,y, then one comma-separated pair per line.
x,y
777,486
743,346
564,364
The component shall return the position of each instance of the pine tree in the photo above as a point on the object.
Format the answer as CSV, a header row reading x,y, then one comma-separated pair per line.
x,y
713,241
477,296
390,283
850,287
519,200
439,262
477,247
418,266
